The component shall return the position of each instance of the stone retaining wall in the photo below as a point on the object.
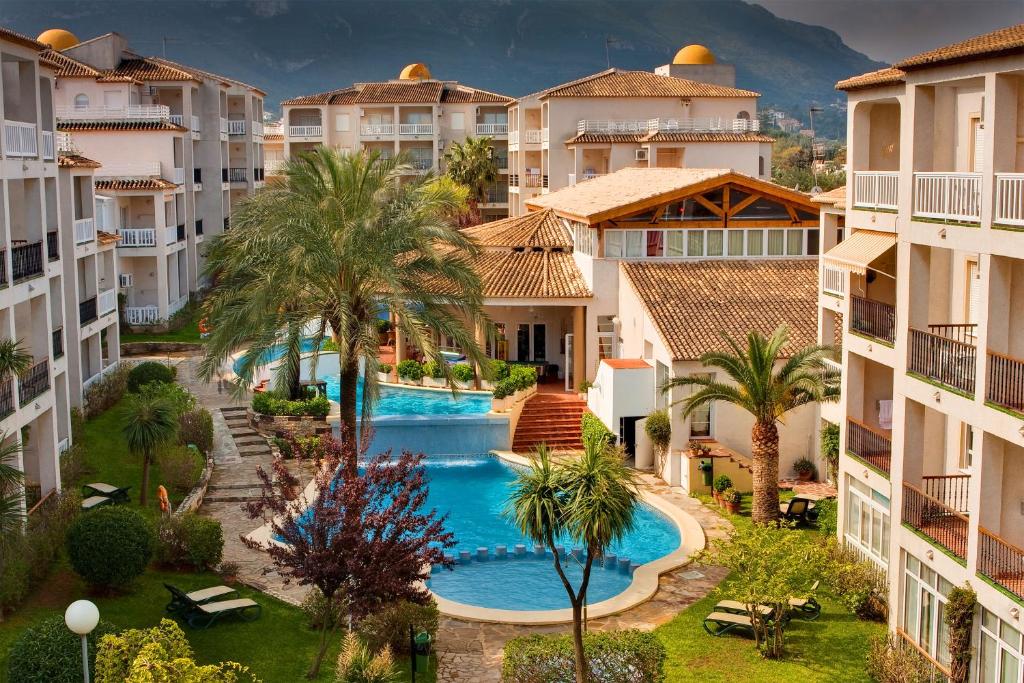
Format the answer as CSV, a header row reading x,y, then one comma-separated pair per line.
x,y
154,347
278,425
195,497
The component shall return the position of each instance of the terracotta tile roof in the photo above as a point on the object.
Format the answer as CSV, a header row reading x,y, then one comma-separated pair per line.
x,y
834,197
399,92
1001,41
68,67
19,38
668,137
529,275
402,92
273,137
105,238
886,76
340,96
148,69
80,126
627,363
227,80
461,94
76,161
692,303
621,83
128,184
534,229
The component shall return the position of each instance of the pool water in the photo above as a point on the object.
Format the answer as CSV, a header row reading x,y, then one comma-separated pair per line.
x,y
473,492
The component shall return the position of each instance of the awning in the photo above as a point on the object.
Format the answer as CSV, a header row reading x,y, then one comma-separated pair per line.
x,y
858,250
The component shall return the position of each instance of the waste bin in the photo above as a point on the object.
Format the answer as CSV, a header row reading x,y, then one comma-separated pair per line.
x,y
707,467
423,651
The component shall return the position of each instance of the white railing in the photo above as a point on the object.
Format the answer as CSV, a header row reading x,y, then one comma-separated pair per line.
x,y
257,128
137,237
65,143
415,129
48,144
876,189
273,166
223,126
236,127
513,138
533,137
422,163
176,306
176,119
575,178
143,112
833,280
273,129
170,234
612,126
178,176
106,302
377,129
948,196
20,139
85,230
491,128
141,315
63,445
1009,199
544,136
703,124
305,131
196,126
138,169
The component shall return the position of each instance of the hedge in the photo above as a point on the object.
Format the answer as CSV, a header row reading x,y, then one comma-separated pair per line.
x,y
111,546
270,403
519,377
614,657
592,430
410,369
49,652
150,371
462,372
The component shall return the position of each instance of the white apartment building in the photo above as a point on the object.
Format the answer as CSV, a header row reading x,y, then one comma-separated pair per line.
x,y
926,288
178,147
687,114
414,114
58,286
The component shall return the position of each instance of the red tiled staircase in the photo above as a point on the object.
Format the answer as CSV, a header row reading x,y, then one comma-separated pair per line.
x,y
553,419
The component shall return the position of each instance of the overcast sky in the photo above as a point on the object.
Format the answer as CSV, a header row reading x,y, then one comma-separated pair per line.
x,y
888,30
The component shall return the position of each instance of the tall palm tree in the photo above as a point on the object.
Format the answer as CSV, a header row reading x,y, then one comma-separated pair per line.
x,y
149,423
11,490
340,240
590,500
767,385
472,164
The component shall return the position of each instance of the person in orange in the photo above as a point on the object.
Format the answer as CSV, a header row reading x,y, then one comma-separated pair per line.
x,y
165,502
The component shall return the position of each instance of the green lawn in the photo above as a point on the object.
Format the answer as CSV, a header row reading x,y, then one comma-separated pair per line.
x,y
187,333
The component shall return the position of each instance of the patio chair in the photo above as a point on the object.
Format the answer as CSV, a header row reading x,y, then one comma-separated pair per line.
x,y
203,615
736,607
799,510
720,623
119,494
181,601
807,608
93,502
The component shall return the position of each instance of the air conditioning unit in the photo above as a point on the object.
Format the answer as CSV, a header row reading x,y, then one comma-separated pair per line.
x,y
440,144
127,280
641,154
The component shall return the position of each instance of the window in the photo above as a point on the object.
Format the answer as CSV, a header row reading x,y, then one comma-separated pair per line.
x,y
715,244
342,122
458,120
755,242
775,242
967,448
735,243
1000,657
794,242
867,521
695,243
632,245
613,243
700,419
582,236
81,101
760,165
540,341
675,243
924,602
813,244
655,243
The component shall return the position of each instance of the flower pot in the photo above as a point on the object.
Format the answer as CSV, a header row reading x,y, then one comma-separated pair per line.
x,y
464,386
498,404
804,476
411,382
583,396
714,495
383,376
437,382
733,508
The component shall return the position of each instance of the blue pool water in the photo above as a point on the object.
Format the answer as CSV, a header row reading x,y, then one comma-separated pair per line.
x,y
473,491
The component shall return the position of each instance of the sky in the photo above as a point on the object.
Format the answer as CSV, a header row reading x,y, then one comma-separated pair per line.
x,y
888,30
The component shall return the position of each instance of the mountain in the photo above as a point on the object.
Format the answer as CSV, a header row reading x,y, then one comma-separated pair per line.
x,y
290,47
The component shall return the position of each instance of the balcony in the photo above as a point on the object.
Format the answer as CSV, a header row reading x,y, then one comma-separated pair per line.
x,y
196,126
27,260
613,126
170,235
236,127
373,129
175,306
176,119
492,128
873,319
496,195
945,354
1005,384
87,311
948,197
876,190
178,176
33,382
141,315
257,128
870,444
85,230
48,145
421,163
1009,199
833,281
107,301
137,237
710,124
533,180
938,510
533,136
415,129
52,246
6,396
134,112
3,268
57,338
223,126
237,175
579,178
20,139
1001,561
306,131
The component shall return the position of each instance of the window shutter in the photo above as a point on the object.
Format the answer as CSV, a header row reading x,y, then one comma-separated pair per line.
x,y
341,123
458,120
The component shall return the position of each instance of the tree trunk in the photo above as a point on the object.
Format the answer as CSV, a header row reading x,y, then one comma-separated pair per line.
x,y
577,642
348,404
765,449
314,670
145,479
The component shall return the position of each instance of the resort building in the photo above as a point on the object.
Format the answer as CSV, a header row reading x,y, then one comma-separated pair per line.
x,y
415,114
687,114
273,148
926,288
178,147
58,271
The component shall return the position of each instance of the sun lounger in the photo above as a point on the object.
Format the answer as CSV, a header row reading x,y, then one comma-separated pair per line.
x,y
93,502
736,607
807,608
118,494
204,615
799,510
182,601
720,623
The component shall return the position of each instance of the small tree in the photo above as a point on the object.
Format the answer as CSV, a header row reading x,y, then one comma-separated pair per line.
x,y
362,540
959,619
830,450
659,430
150,422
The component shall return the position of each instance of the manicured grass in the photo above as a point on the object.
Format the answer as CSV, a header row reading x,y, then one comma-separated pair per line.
x,y
188,332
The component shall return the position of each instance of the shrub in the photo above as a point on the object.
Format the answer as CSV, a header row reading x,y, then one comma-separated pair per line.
x,y
523,376
959,619
189,539
386,368
109,547
830,449
893,660
390,626
585,386
858,584
175,395
150,371
272,403
722,482
72,463
593,430
498,370
196,427
320,611
828,514
432,369
503,389
731,495
106,391
658,427
383,326
330,346
804,466
180,467
462,372
356,664
410,370
49,652
615,657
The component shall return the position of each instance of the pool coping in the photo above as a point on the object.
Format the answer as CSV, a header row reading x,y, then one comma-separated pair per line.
x,y
641,589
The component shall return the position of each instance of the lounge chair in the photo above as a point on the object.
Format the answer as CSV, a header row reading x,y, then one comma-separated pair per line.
x,y
205,614
93,502
119,494
182,601
798,510
720,623
808,608
736,607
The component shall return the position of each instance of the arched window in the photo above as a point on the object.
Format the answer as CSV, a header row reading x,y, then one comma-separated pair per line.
x,y
745,115
81,101
760,165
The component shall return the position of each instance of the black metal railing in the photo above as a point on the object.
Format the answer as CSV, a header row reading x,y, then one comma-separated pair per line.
x,y
257,174
950,489
87,311
52,246
237,175
935,519
27,260
197,176
199,226
944,360
180,232
873,318
3,267
6,396
1001,561
1005,386
868,444
58,342
961,332
34,381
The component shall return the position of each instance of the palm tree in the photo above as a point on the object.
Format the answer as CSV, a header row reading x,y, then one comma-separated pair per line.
x,y
149,422
11,491
14,360
766,393
340,240
472,164
590,500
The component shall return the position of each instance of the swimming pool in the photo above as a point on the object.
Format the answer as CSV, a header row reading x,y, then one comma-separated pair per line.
x,y
473,492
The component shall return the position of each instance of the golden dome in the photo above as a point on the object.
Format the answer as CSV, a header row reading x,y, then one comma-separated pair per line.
x,y
414,72
694,54
58,38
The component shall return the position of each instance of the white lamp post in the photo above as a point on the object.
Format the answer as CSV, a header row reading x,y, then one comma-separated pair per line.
x,y
81,616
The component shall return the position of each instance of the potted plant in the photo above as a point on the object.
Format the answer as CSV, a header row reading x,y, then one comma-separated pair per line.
x,y
383,332
699,449
463,375
384,372
228,572
433,374
501,400
722,482
410,372
805,469
584,387
731,499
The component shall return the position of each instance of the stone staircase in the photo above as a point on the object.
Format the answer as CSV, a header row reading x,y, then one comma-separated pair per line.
x,y
238,483
552,419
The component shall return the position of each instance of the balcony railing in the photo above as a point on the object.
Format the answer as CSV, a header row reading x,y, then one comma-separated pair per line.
x,y
58,342
615,126
237,175
107,301
33,382
170,235
415,129
236,127
133,112
580,177
27,260
952,197
533,180
421,163
497,195
137,237
87,311
52,246
223,126
196,126
1005,385
873,318
533,136
935,519
492,128
306,131
949,489
876,189
377,129
48,145
178,176
141,315
833,281
1001,561
1009,199
20,139
869,444
947,361
711,124
85,230
3,267
176,119
6,396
